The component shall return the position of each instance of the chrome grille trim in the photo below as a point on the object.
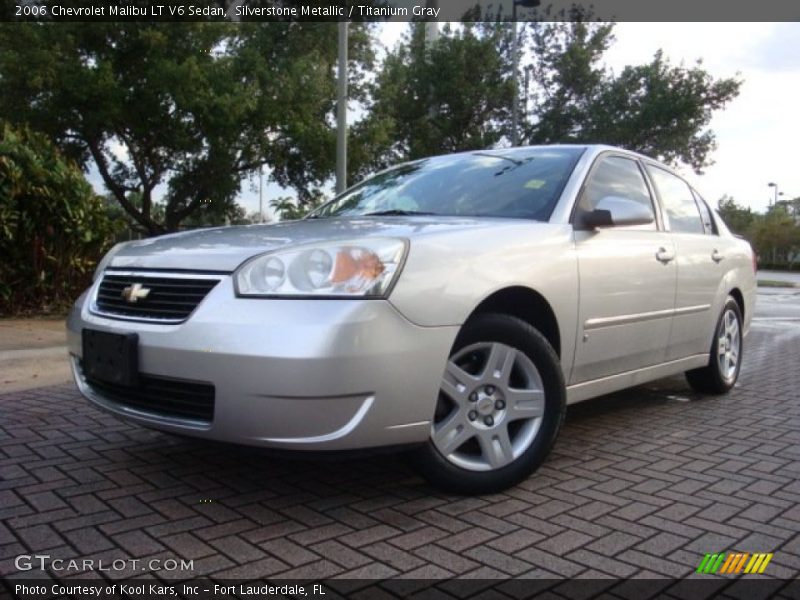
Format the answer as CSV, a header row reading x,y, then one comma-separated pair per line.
x,y
175,298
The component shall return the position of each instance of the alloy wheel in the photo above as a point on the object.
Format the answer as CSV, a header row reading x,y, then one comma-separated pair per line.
x,y
490,407
728,345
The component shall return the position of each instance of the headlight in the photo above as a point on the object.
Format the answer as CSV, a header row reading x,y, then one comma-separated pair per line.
x,y
101,266
363,268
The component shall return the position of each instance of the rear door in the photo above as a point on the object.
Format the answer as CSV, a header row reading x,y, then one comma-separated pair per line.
x,y
700,263
627,279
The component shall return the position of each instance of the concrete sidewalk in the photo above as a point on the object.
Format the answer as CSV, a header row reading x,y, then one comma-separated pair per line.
x,y
33,353
787,278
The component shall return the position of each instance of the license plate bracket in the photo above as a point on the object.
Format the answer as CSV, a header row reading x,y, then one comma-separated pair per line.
x,y
111,357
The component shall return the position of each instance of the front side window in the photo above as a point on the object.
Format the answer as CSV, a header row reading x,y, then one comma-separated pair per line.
x,y
516,183
678,201
618,177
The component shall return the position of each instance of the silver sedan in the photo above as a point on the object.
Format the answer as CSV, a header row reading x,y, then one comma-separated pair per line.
x,y
452,306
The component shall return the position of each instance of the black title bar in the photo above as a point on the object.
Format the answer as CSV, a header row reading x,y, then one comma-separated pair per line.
x,y
396,10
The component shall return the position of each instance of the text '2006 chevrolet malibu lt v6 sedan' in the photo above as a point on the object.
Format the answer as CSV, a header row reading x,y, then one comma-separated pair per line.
x,y
456,304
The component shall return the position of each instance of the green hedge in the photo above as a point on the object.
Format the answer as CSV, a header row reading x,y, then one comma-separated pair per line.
x,y
779,266
53,227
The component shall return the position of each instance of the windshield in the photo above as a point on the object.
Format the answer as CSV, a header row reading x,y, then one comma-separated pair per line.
x,y
520,183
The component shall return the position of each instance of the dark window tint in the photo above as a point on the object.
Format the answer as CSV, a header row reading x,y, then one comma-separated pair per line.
x,y
618,177
705,215
678,201
519,183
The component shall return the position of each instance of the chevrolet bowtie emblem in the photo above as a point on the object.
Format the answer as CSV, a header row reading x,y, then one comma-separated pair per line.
x,y
135,292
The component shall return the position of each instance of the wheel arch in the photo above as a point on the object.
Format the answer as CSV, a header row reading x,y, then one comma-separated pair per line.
x,y
525,304
739,297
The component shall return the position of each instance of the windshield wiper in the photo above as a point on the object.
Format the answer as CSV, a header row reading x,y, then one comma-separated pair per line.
x,y
516,161
396,212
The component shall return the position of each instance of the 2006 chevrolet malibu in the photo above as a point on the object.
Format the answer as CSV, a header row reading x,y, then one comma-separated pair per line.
x,y
456,304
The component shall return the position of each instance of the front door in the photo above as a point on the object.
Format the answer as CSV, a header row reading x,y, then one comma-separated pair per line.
x,y
627,280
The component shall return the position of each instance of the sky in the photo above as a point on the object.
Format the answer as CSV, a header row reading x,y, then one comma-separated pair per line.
x,y
758,133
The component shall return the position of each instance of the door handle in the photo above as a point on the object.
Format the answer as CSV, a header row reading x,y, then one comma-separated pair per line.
x,y
716,256
663,255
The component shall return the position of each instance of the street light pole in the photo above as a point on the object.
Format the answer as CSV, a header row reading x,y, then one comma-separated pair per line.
x,y
261,194
431,27
515,62
774,185
341,112
515,93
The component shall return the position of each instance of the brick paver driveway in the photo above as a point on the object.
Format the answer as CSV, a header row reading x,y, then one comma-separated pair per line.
x,y
641,483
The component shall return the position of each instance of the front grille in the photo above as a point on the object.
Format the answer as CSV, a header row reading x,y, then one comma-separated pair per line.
x,y
162,396
169,299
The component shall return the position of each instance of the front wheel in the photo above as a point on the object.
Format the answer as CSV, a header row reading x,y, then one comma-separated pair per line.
x,y
500,406
725,359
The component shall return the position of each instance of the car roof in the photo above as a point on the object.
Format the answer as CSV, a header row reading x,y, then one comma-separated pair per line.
x,y
594,149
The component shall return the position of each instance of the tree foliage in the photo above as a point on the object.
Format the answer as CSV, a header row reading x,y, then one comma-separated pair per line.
x,y
456,94
450,96
175,116
656,108
566,75
289,209
775,235
192,108
53,227
739,219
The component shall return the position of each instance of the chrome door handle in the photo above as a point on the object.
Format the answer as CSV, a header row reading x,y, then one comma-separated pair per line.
x,y
716,256
664,255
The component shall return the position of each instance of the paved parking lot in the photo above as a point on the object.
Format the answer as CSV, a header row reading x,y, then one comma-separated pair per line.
x,y
641,483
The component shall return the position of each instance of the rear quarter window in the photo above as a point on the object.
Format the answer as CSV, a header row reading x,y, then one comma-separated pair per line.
x,y
705,215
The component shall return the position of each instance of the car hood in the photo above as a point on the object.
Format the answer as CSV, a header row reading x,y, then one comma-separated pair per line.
x,y
225,248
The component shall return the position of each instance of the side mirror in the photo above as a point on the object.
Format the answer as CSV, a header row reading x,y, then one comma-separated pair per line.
x,y
614,211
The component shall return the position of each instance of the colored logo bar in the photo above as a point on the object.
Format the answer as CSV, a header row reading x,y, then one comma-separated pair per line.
x,y
734,563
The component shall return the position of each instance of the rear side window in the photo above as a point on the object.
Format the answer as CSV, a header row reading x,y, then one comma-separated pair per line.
x,y
705,215
619,177
678,201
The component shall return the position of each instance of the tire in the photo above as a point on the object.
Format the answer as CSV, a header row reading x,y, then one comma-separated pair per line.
x,y
724,363
493,427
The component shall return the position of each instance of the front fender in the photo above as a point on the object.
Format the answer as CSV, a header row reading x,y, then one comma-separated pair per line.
x,y
446,276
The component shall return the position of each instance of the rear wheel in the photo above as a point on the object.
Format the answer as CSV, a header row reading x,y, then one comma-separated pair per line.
x,y
499,409
725,359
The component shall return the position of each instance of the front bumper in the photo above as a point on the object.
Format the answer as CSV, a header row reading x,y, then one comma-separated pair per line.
x,y
299,374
